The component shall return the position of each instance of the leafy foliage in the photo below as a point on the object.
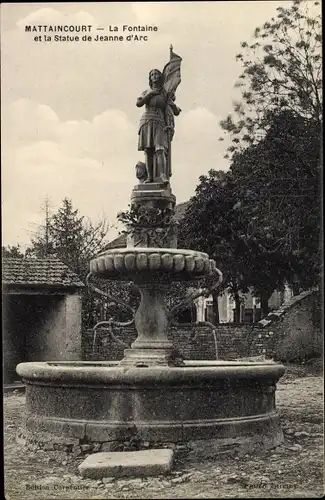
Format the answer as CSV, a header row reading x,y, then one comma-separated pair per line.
x,y
282,70
261,219
215,222
13,251
70,237
74,240
278,185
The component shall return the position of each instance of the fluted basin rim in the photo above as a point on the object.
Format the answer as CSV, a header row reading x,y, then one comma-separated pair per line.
x,y
181,264
153,250
90,373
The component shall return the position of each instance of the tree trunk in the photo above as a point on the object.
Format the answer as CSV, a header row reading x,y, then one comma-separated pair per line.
x,y
237,307
242,313
215,309
264,304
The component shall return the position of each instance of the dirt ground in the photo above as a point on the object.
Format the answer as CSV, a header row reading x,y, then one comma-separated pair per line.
x,y
294,469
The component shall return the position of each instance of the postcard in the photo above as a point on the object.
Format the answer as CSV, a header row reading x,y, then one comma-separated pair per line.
x,y
161,271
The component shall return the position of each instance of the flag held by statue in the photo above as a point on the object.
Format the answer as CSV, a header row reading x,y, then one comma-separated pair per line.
x,y
172,72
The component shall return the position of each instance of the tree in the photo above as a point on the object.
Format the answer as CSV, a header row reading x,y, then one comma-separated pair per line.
x,y
261,219
278,185
12,251
70,237
74,240
218,221
282,70
275,150
211,225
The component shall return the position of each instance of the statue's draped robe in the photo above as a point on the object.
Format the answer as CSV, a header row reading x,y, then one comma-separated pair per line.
x,y
152,123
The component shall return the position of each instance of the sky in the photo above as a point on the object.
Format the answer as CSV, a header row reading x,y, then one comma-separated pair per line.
x,y
69,120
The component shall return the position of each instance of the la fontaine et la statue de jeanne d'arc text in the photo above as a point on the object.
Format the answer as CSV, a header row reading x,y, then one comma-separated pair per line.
x,y
71,30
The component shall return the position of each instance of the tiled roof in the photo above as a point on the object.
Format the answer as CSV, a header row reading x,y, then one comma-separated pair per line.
x,y
44,272
120,241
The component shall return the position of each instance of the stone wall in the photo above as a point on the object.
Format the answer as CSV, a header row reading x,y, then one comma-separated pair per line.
x,y
228,342
39,327
53,327
72,341
290,333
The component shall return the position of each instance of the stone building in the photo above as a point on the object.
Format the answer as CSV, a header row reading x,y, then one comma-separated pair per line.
x,y
250,307
41,312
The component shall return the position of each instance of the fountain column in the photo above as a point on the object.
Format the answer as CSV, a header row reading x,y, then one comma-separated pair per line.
x,y
152,345
154,203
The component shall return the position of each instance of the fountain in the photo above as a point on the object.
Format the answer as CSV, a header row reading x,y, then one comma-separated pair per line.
x,y
152,395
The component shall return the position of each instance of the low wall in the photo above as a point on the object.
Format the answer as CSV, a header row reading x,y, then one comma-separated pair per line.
x,y
229,342
290,333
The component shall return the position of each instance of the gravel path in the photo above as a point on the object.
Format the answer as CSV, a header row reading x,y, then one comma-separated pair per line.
x,y
295,469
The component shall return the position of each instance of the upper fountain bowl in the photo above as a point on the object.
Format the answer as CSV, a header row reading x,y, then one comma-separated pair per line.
x,y
182,265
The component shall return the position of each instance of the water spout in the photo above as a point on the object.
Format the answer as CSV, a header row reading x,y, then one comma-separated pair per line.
x,y
215,343
94,342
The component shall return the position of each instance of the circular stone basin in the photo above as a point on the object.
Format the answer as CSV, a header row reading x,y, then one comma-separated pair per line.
x,y
106,403
121,263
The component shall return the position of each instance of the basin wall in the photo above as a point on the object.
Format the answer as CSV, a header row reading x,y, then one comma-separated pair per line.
x,y
106,404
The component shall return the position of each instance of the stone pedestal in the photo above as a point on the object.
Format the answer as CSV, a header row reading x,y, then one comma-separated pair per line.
x,y
153,356
154,204
153,191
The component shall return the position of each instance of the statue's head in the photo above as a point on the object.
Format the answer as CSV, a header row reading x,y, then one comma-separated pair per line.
x,y
156,77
